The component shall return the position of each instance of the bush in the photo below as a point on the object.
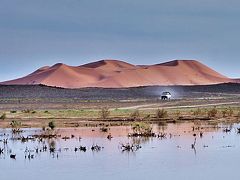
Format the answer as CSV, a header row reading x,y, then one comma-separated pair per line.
x,y
197,112
52,125
141,127
3,116
178,114
161,113
238,115
13,111
213,112
26,111
104,113
230,111
15,124
224,112
227,112
135,114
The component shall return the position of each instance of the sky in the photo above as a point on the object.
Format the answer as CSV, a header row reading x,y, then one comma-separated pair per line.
x,y
35,33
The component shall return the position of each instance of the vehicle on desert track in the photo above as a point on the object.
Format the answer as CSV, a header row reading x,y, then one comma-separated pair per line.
x,y
166,96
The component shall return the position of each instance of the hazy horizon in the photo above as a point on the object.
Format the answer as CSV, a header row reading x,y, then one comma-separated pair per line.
x,y
37,33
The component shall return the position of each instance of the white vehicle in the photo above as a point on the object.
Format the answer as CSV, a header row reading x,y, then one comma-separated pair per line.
x,y
166,96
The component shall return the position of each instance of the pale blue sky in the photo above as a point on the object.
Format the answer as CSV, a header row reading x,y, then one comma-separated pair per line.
x,y
35,33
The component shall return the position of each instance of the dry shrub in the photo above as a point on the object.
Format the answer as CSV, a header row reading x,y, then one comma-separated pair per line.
x,y
212,112
135,114
3,116
161,113
104,113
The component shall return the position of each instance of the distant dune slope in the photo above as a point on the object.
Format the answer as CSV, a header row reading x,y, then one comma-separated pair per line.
x,y
119,74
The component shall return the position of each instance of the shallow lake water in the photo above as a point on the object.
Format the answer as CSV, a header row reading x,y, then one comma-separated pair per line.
x,y
215,156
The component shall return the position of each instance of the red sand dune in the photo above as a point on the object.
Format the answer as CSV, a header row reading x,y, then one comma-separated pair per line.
x,y
119,74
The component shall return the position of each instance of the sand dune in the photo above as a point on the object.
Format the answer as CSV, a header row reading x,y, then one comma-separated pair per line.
x,y
119,74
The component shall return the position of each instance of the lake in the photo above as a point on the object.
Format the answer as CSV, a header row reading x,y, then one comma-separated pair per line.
x,y
215,155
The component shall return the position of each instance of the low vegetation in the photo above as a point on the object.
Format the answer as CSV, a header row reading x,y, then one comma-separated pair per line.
x,y
198,112
141,129
16,125
135,115
51,125
212,112
3,116
104,113
161,113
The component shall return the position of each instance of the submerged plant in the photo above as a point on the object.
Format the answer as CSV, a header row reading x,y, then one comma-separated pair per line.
x,y
104,129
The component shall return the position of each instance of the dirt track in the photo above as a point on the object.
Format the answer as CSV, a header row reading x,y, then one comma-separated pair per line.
x,y
156,106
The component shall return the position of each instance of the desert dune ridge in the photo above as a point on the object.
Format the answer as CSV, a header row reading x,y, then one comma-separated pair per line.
x,y
120,74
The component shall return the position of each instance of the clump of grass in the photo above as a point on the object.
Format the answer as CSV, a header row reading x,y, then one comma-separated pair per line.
x,y
147,117
51,125
230,112
16,125
161,113
104,113
3,116
177,114
238,114
227,112
13,111
135,115
224,112
141,128
212,112
197,112
26,110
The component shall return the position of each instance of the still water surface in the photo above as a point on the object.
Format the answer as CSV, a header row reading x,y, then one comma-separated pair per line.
x,y
216,154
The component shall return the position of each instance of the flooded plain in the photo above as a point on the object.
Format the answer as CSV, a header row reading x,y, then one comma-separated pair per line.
x,y
178,151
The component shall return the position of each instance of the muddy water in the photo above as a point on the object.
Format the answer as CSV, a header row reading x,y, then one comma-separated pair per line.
x,y
216,155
